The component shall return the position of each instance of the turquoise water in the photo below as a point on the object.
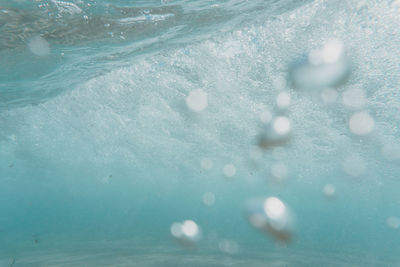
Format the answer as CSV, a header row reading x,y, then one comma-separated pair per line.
x,y
120,118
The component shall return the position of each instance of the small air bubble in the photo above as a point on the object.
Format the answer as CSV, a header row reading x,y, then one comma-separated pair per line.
x,y
197,100
279,171
281,125
206,163
255,154
283,100
265,116
391,152
228,246
39,46
329,191
229,170
354,166
209,198
361,123
354,98
329,95
393,222
279,83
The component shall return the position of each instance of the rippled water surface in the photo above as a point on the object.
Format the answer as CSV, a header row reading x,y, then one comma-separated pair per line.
x,y
199,133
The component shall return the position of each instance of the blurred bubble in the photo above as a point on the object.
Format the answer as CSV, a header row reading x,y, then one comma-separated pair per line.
x,y
279,83
283,100
322,68
329,95
329,191
209,198
229,170
255,154
265,116
393,222
272,216
354,166
361,123
279,171
391,152
186,233
228,246
281,125
197,100
395,4
354,98
39,46
206,163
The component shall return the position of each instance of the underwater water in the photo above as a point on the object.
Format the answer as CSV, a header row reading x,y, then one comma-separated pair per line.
x,y
199,133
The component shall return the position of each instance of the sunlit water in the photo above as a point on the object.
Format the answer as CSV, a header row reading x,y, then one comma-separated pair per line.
x,y
199,133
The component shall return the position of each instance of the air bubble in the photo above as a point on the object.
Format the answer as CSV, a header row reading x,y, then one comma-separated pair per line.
x,y
197,100
279,171
229,170
361,123
206,163
354,166
329,95
354,98
279,83
393,222
329,191
283,100
39,46
255,154
395,4
228,246
391,152
281,125
265,116
209,199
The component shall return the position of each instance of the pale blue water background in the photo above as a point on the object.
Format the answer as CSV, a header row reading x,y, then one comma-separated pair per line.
x,y
99,155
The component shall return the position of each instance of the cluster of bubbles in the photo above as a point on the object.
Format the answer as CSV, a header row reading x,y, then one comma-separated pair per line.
x,y
276,131
321,71
187,233
272,216
321,68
